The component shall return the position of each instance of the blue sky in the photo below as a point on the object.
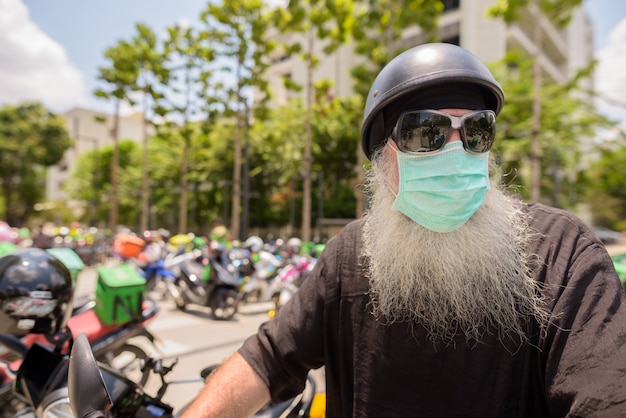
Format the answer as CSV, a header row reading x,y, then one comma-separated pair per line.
x,y
51,50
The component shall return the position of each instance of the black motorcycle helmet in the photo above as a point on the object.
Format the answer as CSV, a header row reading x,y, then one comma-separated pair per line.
x,y
35,293
427,76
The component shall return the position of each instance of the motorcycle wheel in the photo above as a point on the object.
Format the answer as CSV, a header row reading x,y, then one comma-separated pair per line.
x,y
128,359
156,287
223,304
9,403
177,295
252,296
276,300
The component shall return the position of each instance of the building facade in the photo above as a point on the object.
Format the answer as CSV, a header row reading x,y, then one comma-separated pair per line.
x,y
90,131
465,23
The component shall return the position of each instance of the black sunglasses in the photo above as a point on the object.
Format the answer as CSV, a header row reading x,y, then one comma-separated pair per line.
x,y
419,131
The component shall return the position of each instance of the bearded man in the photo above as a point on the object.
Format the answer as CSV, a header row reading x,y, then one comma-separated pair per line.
x,y
451,298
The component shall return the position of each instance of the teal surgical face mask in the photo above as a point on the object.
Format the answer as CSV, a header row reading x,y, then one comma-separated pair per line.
x,y
442,190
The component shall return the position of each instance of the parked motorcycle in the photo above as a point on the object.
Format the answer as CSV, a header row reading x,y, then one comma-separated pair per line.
x,y
209,279
257,271
160,268
110,343
94,389
290,277
38,313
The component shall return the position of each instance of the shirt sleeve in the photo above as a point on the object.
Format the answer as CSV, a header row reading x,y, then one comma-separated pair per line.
x,y
584,345
292,343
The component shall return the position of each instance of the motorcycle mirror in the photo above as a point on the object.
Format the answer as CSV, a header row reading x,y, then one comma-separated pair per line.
x,y
89,397
14,344
207,371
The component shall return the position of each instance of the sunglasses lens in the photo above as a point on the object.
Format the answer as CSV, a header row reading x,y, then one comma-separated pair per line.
x,y
427,131
479,131
423,131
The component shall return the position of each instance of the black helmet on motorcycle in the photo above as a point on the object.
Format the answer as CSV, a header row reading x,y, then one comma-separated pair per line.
x,y
293,245
35,293
254,244
429,76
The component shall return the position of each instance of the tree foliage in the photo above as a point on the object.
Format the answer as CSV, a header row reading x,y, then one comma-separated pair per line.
x,y
119,77
378,27
31,138
605,189
207,117
240,29
568,121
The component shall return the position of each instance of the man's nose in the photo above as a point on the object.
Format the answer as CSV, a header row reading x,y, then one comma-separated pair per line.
x,y
455,135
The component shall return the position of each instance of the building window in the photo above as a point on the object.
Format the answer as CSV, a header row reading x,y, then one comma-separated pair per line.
x,y
450,5
450,33
454,40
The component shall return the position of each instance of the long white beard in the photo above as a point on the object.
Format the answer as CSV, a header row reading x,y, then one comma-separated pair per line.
x,y
469,282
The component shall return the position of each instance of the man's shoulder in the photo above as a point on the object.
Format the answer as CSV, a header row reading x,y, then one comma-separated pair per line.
x,y
342,257
349,233
560,224
544,216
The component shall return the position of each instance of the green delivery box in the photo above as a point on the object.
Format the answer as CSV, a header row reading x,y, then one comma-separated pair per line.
x,y
119,294
71,260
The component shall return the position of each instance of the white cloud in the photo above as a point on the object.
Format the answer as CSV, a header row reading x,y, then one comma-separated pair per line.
x,y
610,77
33,66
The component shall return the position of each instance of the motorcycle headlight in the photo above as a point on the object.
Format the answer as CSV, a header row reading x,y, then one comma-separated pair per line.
x,y
58,409
56,405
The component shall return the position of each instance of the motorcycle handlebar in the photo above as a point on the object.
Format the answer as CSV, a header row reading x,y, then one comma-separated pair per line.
x,y
14,344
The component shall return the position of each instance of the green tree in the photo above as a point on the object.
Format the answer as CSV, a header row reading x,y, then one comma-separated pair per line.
x,y
378,29
336,136
190,96
240,27
151,76
559,13
276,157
568,120
606,193
80,187
307,22
120,77
212,163
31,138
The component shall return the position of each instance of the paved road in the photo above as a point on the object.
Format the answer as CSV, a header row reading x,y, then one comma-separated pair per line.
x,y
198,341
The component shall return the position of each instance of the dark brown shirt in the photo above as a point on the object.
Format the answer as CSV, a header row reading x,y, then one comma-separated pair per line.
x,y
577,368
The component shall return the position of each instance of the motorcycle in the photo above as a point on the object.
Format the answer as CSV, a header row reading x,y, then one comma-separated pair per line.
x,y
95,390
289,278
111,320
257,272
209,278
111,345
160,271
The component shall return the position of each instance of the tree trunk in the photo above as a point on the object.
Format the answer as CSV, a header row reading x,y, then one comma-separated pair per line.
x,y
308,157
234,214
145,192
184,169
115,161
535,146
